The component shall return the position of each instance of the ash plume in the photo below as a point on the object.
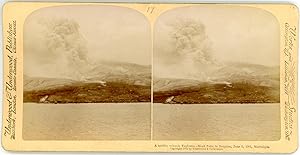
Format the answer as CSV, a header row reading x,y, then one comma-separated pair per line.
x,y
190,39
65,42
192,50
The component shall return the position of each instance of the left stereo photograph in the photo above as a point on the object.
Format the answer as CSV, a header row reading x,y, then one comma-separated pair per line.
x,y
90,78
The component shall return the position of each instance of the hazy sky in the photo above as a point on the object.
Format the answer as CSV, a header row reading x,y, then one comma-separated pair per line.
x,y
57,37
240,34
96,32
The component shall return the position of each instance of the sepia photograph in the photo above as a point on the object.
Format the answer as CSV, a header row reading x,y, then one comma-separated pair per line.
x,y
150,77
87,74
216,74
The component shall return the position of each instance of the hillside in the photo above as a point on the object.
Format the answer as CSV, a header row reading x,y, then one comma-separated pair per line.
x,y
120,72
231,83
111,92
105,83
219,93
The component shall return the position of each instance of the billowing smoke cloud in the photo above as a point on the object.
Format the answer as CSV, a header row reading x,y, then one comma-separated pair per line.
x,y
192,49
67,46
191,41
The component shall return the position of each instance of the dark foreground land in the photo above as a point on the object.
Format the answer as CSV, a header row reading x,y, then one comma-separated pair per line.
x,y
219,93
111,92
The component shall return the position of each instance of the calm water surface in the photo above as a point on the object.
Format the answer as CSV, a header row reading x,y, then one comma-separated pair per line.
x,y
95,121
132,121
216,122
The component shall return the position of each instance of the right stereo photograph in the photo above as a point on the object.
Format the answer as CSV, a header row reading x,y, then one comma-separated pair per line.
x,y
216,74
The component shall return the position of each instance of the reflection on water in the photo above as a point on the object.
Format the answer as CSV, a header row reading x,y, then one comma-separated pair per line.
x,y
208,122
87,121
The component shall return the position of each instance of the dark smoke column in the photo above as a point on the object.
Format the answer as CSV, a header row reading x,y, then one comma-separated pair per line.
x,y
65,41
193,46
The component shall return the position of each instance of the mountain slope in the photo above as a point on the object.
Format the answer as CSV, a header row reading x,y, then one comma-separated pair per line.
x,y
107,82
230,83
80,92
40,83
120,72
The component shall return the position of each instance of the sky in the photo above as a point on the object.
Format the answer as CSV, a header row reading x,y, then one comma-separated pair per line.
x,y
73,38
56,38
235,34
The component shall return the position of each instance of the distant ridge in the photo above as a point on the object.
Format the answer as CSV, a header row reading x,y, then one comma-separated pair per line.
x,y
230,83
107,82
